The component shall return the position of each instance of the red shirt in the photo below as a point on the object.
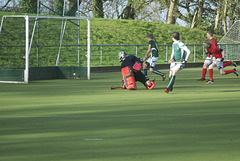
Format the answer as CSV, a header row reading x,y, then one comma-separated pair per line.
x,y
214,43
215,51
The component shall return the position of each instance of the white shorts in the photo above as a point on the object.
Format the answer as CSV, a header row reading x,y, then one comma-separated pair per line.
x,y
208,61
175,66
152,61
216,62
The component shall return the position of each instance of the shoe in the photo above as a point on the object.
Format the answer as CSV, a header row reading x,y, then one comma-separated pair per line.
x,y
164,77
201,80
166,90
233,63
209,82
236,72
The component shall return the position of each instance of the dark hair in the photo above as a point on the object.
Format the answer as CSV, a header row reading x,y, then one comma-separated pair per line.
x,y
210,32
176,35
150,36
208,41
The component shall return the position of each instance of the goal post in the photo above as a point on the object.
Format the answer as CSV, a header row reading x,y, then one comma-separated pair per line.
x,y
230,42
22,38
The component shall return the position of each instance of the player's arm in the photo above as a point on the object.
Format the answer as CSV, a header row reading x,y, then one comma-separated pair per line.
x,y
135,59
170,60
211,57
148,52
222,52
185,48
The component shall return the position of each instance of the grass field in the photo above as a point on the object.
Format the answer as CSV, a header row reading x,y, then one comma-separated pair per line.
x,y
83,120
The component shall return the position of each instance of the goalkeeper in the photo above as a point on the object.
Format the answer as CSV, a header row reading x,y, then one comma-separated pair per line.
x,y
178,59
131,72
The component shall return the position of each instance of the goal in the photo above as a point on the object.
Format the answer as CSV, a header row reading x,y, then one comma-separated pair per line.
x,y
43,47
230,42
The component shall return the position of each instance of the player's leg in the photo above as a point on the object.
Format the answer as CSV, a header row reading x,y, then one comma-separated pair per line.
x,y
145,65
222,72
210,81
206,63
158,73
174,68
229,63
139,76
152,63
229,71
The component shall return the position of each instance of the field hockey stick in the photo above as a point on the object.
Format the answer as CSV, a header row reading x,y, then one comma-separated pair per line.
x,y
111,87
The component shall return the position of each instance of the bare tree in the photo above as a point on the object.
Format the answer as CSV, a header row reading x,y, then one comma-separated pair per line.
x,y
170,16
98,9
225,16
4,5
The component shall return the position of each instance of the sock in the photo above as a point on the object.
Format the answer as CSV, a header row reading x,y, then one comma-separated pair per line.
x,y
204,71
171,82
211,74
226,64
229,71
145,72
157,72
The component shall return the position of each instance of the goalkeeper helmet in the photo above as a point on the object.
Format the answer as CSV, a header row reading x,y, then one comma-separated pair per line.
x,y
121,55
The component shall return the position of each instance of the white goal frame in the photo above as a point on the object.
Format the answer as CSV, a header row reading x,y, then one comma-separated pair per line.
x,y
28,43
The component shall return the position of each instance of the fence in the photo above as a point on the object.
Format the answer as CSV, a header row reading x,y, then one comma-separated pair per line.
x,y
106,55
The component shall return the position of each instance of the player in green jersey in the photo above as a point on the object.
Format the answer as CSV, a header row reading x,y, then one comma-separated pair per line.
x,y
178,59
152,57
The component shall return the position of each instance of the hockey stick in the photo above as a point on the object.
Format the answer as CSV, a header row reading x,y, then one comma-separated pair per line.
x,y
111,87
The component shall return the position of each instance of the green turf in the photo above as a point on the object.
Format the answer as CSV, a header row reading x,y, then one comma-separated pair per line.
x,y
73,120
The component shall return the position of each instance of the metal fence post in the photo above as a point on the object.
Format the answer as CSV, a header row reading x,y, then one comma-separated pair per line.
x,y
101,55
166,54
194,53
136,50
203,51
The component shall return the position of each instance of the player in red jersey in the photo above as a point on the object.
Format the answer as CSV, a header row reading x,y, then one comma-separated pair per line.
x,y
208,61
217,58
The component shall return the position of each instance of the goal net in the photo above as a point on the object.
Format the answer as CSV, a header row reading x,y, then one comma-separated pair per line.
x,y
230,42
42,47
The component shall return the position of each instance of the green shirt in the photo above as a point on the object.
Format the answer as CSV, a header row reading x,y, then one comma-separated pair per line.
x,y
178,51
154,48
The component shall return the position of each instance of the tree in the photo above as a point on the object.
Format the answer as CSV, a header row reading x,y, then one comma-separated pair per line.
x,y
73,6
29,6
98,9
4,5
59,6
233,9
225,16
170,15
